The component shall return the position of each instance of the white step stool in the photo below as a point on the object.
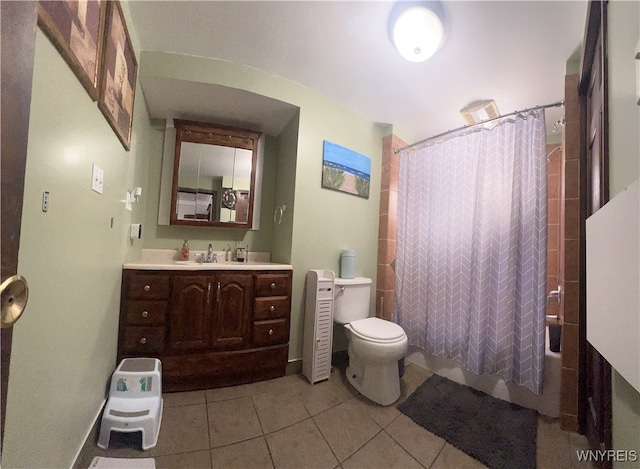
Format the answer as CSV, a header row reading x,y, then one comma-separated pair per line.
x,y
135,401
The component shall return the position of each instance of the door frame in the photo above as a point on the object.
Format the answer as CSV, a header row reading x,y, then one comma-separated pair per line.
x,y
599,437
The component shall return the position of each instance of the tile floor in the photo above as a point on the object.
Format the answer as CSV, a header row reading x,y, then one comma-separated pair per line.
x,y
287,423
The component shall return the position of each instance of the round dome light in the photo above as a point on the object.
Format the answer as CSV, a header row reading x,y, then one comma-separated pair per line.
x,y
417,33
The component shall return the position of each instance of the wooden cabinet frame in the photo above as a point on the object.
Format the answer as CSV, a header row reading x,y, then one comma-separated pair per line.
x,y
209,328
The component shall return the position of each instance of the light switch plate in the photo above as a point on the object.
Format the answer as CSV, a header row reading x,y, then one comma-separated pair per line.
x,y
97,178
127,203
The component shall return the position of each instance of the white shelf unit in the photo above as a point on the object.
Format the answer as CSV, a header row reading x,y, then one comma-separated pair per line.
x,y
318,325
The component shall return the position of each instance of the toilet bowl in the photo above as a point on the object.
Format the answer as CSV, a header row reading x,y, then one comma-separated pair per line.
x,y
375,345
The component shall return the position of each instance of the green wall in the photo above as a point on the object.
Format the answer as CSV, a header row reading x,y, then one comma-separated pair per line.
x,y
624,168
318,222
64,347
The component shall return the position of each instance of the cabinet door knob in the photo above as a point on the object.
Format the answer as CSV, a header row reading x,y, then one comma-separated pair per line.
x,y
272,308
147,288
273,285
145,314
143,340
270,331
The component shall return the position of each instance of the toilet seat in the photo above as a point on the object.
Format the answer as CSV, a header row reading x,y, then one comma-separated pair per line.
x,y
377,330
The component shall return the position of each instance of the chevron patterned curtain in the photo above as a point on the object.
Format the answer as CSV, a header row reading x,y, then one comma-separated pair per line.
x,y
471,249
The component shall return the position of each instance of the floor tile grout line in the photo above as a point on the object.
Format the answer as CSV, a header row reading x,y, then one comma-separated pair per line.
x,y
266,442
444,443
406,450
206,409
327,443
401,445
255,409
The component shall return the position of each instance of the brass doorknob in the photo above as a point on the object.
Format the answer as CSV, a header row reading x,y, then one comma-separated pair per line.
x,y
14,293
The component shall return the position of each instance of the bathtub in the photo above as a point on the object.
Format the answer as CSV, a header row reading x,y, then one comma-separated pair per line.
x,y
547,403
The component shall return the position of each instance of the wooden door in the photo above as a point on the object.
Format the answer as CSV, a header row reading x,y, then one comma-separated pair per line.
x,y
190,318
232,312
242,207
19,21
595,408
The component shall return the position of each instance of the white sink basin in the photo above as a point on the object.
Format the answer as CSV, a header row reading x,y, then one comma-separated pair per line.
x,y
214,263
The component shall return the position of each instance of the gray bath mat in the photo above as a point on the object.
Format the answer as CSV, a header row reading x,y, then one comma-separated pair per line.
x,y
493,431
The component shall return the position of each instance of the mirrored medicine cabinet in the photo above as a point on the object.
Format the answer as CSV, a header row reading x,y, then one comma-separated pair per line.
x,y
214,175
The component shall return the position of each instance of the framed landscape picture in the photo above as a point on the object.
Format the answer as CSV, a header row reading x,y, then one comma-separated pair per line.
x,y
76,30
118,76
345,170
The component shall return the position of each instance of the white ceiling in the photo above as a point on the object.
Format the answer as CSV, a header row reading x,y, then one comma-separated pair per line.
x,y
514,52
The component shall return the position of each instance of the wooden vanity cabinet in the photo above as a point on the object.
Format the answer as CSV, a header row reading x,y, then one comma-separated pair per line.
x,y
144,315
272,305
232,315
191,311
209,328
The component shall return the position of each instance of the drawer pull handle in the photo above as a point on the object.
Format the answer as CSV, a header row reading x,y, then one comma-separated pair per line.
x,y
147,288
143,340
272,308
270,331
209,293
218,293
145,314
273,285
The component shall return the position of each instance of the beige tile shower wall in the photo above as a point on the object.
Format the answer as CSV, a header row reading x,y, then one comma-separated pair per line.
x,y
388,226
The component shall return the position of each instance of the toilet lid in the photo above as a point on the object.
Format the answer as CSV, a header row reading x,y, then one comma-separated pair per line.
x,y
376,328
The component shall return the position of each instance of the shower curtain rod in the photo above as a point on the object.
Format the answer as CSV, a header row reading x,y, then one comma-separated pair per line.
x,y
544,106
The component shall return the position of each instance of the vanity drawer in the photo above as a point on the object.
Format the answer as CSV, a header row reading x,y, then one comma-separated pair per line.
x,y
270,307
271,332
273,284
146,313
148,287
145,340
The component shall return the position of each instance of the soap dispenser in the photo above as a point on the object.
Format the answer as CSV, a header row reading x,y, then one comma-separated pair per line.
x,y
184,252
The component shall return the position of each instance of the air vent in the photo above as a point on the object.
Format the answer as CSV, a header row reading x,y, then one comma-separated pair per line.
x,y
480,111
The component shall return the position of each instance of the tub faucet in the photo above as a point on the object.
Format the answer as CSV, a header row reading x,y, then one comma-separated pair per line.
x,y
211,256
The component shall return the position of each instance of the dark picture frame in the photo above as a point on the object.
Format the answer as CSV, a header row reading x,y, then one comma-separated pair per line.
x,y
76,30
119,69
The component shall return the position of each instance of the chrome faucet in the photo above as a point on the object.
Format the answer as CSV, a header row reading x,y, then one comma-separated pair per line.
x,y
211,256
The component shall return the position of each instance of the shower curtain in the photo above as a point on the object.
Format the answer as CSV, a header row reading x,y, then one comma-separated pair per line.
x,y
471,249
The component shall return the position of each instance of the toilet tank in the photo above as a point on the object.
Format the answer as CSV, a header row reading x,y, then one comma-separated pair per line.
x,y
351,299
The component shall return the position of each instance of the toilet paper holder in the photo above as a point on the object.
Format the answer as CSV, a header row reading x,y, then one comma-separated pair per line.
x,y
136,231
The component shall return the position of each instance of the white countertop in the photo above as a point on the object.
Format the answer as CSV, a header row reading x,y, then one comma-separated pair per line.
x,y
164,259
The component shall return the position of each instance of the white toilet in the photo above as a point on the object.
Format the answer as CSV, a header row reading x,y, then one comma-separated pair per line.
x,y
375,345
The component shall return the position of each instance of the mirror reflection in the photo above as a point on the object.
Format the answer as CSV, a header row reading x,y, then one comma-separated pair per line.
x,y
215,175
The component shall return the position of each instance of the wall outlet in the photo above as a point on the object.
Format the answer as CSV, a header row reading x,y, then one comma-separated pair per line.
x,y
97,178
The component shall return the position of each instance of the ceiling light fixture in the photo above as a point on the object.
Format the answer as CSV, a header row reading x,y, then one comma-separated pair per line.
x,y
416,29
